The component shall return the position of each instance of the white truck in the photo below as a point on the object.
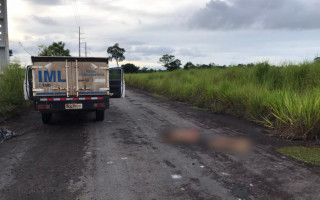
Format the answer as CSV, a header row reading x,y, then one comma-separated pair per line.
x,y
57,84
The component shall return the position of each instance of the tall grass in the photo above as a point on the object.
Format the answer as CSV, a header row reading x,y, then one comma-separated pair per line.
x,y
285,98
11,89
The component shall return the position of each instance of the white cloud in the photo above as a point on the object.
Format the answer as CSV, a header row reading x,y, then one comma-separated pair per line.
x,y
264,14
147,29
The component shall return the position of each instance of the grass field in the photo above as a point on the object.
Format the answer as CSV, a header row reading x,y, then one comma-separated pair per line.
x,y
286,98
304,154
11,89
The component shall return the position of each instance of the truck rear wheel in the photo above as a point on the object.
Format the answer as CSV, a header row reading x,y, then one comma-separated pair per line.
x,y
117,95
100,115
46,118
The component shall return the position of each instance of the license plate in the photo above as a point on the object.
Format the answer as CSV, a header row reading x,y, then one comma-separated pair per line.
x,y
74,106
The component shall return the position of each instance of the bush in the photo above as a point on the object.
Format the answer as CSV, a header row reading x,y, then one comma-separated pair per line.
x,y
11,89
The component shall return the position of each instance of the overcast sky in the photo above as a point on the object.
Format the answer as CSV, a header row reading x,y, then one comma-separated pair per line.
x,y
201,31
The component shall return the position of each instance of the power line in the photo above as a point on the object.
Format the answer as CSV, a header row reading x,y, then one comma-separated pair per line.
x,y
77,19
75,14
21,45
77,10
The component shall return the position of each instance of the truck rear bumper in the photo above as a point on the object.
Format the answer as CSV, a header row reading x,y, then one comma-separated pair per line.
x,y
46,105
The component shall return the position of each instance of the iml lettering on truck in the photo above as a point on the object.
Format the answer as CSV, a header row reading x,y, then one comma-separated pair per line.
x,y
49,77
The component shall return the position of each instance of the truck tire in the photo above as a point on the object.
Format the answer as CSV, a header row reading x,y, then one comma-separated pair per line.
x,y
100,115
46,118
117,95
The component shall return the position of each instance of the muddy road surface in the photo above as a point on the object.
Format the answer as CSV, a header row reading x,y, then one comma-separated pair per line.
x,y
122,158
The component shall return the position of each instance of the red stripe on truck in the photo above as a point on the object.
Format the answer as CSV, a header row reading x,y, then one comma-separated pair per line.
x,y
71,99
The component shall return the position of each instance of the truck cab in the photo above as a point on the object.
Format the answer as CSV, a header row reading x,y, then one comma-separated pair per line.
x,y
63,84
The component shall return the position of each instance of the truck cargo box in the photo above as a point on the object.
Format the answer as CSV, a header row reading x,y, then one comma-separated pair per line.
x,y
57,84
70,76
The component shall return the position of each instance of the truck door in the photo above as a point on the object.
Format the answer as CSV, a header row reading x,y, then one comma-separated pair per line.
x,y
117,85
52,78
90,78
27,86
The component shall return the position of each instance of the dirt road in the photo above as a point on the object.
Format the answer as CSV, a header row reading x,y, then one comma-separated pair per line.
x,y
122,158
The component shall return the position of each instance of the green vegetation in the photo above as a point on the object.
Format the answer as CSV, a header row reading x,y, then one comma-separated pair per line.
x,y
11,89
130,68
158,96
304,154
170,62
197,108
285,98
116,53
55,49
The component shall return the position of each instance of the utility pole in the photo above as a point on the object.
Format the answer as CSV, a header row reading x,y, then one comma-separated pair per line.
x,y
85,47
79,42
4,39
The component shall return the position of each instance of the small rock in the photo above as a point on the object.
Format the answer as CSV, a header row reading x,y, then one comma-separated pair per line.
x,y
175,176
225,174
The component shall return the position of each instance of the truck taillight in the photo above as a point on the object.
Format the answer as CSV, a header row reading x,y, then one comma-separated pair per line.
x,y
44,107
99,105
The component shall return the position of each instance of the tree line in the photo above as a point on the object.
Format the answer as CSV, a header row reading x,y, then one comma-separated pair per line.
x,y
169,62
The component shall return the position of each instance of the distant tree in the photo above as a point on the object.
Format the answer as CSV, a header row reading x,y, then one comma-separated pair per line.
x,y
250,65
212,65
203,66
167,59
174,65
143,70
130,68
317,60
117,53
189,65
170,62
55,49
